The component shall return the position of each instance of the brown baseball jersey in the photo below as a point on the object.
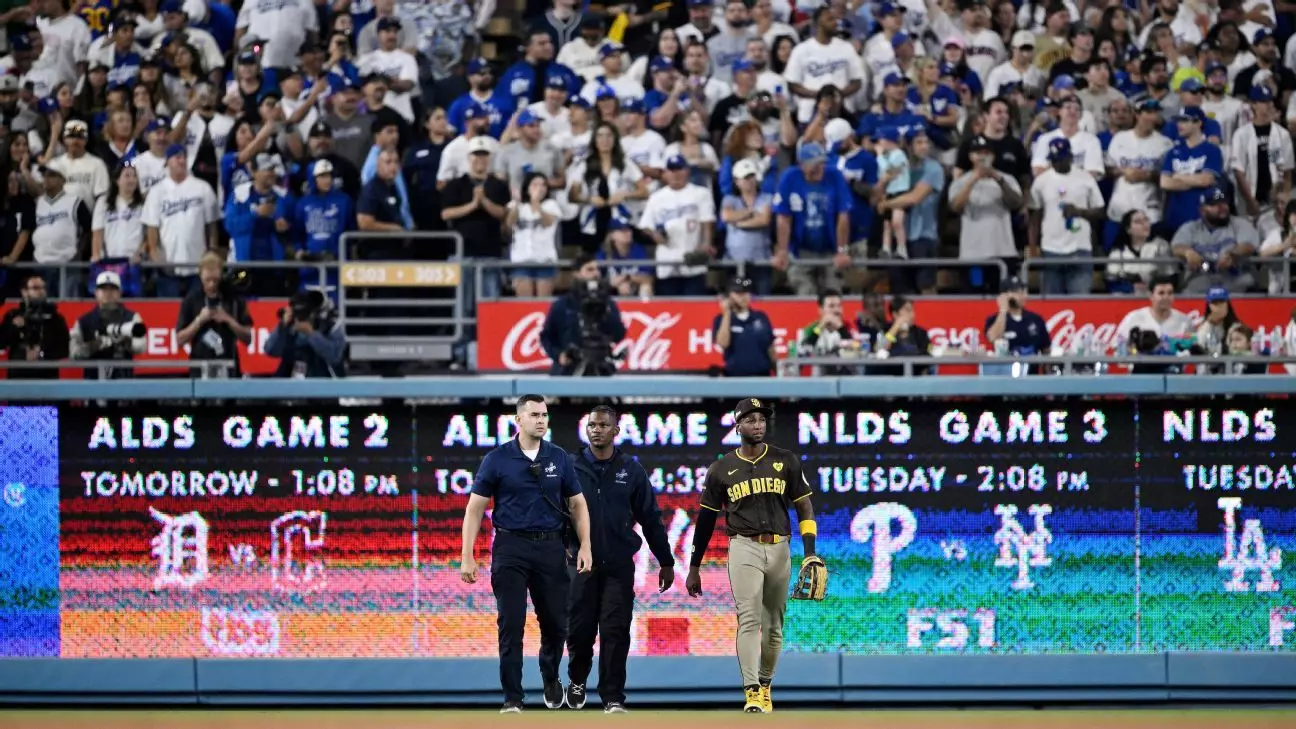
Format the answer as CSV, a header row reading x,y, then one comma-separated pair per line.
x,y
756,494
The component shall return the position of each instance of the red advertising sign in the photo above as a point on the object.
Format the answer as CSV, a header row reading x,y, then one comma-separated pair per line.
x,y
675,334
160,317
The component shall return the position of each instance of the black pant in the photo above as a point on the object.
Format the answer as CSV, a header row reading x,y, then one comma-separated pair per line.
x,y
539,565
602,604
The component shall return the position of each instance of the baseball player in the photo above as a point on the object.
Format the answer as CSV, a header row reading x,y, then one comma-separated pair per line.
x,y
754,486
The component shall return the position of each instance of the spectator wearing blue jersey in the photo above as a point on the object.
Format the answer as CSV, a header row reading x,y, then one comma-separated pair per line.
x,y
257,213
481,91
813,207
621,258
319,219
1190,97
1191,167
922,203
860,168
936,102
523,83
1215,247
894,110
747,214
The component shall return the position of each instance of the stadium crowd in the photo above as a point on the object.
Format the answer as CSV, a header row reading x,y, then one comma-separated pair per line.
x,y
812,143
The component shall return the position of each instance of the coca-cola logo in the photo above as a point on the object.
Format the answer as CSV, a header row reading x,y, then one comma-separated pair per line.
x,y
646,346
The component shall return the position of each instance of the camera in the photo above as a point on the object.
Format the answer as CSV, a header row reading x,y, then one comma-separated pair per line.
x,y
305,306
593,356
125,330
35,314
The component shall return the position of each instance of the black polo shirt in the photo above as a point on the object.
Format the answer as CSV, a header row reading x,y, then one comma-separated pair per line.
x,y
527,498
381,200
1011,157
481,231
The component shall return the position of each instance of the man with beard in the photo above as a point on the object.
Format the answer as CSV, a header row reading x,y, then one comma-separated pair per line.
x,y
755,485
602,600
1267,66
1157,79
86,175
319,146
108,332
732,109
481,91
350,127
523,83
1221,107
454,158
730,45
1262,163
822,60
204,134
1215,247
34,331
700,27
1063,202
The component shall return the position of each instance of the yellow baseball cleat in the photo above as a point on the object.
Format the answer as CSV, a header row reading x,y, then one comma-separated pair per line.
x,y
767,700
753,705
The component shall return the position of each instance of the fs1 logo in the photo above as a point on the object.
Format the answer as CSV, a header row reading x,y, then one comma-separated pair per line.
x,y
953,627
1249,554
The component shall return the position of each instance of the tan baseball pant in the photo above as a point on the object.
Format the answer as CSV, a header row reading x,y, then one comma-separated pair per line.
x,y
759,575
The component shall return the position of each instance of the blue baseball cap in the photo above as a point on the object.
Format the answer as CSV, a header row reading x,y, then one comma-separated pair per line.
x,y
1063,82
899,39
699,3
556,82
633,106
578,101
676,162
1213,196
895,78
1217,293
1149,105
248,57
1192,85
1260,92
156,124
660,63
1261,35
20,42
742,64
478,65
476,111
1214,66
611,48
1191,113
175,149
889,8
1059,148
527,118
620,220
811,152
947,69
171,6
47,106
604,92
888,133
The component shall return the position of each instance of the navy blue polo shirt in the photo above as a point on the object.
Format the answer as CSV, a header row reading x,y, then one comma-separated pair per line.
x,y
382,201
749,344
1026,335
505,476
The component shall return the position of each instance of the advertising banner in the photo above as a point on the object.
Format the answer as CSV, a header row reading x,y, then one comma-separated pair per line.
x,y
666,334
160,317
1040,526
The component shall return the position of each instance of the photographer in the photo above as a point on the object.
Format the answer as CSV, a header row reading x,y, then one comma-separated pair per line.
x,y
34,331
584,326
109,332
213,319
308,340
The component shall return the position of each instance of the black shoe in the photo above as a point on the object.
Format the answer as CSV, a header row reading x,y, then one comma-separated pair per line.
x,y
614,707
512,707
553,694
576,696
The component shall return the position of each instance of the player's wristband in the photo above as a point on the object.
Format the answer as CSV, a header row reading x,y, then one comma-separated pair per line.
x,y
808,527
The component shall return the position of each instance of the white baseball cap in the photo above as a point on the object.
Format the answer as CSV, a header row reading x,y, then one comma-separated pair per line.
x,y
108,278
479,144
837,131
1023,38
322,167
745,168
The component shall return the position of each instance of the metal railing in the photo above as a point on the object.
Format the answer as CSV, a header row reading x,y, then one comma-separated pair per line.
x,y
382,321
205,369
1100,264
1056,365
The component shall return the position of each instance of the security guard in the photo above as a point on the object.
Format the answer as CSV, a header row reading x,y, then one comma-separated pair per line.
x,y
745,334
528,479
602,601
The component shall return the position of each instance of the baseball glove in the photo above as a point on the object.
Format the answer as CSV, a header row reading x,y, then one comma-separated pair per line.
x,y
812,580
